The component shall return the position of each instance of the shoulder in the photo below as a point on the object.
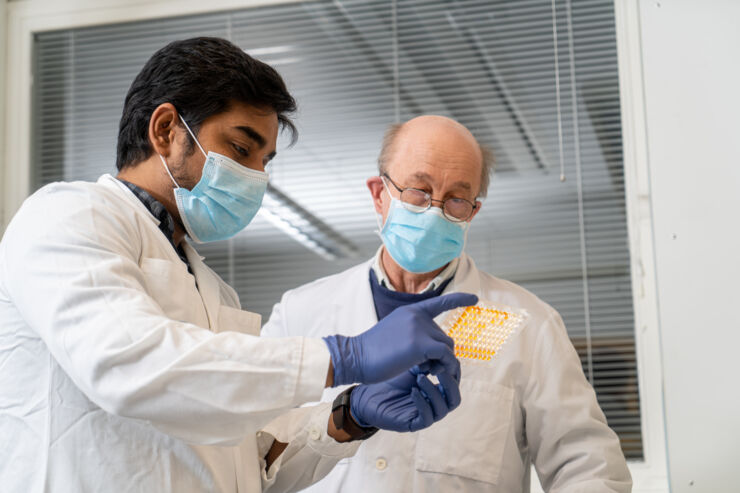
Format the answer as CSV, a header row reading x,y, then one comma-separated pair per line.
x,y
65,201
70,213
311,309
508,293
78,193
329,287
91,190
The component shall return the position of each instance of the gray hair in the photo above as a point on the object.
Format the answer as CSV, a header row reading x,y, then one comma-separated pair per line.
x,y
386,149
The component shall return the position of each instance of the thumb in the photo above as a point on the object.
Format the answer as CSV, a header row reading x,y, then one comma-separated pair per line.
x,y
440,304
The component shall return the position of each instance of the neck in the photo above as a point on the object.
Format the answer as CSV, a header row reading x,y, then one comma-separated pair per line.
x,y
405,281
157,183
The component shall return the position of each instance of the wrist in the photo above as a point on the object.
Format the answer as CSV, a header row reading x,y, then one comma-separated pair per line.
x,y
340,350
341,436
353,414
345,426
329,376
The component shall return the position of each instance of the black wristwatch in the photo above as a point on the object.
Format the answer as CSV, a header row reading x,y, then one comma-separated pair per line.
x,y
343,419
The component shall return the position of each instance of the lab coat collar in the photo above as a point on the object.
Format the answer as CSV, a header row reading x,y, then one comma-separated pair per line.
x,y
447,273
362,308
113,183
465,280
207,283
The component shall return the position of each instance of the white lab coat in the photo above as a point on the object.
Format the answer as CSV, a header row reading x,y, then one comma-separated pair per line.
x,y
120,371
532,404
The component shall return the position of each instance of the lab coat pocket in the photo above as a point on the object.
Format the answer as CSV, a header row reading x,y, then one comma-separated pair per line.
x,y
237,320
174,289
469,442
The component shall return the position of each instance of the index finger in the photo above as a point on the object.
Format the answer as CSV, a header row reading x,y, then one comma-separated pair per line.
x,y
440,304
441,358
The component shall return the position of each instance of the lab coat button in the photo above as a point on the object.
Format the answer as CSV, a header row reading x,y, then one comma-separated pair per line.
x,y
315,434
381,464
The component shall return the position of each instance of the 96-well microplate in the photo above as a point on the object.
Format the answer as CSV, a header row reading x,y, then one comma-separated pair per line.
x,y
479,331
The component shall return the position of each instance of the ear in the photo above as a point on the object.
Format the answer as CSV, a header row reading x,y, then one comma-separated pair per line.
x,y
162,125
478,205
375,185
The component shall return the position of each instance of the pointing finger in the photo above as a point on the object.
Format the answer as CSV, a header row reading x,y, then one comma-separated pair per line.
x,y
440,304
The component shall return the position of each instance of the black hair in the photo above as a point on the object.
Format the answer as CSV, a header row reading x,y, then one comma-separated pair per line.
x,y
201,77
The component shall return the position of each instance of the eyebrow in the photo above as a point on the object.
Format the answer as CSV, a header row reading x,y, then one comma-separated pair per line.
x,y
252,134
426,177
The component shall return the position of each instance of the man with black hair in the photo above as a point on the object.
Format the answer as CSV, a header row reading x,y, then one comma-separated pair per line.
x,y
128,365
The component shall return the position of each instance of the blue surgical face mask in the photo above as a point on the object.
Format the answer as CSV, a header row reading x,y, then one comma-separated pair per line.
x,y
223,202
421,241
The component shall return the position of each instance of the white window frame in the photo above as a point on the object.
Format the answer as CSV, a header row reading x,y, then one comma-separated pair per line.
x,y
24,18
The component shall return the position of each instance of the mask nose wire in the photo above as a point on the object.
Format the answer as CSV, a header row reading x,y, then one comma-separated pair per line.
x,y
193,136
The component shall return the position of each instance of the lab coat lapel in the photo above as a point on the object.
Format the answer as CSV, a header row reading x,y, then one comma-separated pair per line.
x,y
207,284
467,279
355,307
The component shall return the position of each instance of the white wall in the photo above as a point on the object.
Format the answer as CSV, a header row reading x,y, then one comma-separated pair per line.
x,y
3,74
691,68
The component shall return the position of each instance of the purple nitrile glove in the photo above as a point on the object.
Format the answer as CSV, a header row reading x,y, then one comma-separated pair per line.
x,y
407,402
407,337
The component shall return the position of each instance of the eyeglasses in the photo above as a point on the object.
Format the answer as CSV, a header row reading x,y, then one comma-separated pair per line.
x,y
415,200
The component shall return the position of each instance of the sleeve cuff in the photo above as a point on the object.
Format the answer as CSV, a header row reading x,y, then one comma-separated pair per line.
x,y
309,426
312,373
320,441
305,431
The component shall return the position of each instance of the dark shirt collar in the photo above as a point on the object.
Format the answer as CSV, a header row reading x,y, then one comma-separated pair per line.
x,y
155,207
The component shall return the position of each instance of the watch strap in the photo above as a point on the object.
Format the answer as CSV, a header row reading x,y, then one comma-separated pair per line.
x,y
340,411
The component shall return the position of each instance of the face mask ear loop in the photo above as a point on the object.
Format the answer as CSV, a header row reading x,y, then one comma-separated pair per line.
x,y
193,136
385,186
378,216
465,236
167,169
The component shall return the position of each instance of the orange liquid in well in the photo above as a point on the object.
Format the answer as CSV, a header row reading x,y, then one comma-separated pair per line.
x,y
479,332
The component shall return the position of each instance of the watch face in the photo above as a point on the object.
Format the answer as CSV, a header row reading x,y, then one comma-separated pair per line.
x,y
340,409
337,415
343,398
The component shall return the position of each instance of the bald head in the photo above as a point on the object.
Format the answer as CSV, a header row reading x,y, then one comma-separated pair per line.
x,y
439,142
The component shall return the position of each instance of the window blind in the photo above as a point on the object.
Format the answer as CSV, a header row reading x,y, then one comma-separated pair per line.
x,y
535,80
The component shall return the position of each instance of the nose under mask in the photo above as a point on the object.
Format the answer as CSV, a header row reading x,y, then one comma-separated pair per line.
x,y
225,199
421,242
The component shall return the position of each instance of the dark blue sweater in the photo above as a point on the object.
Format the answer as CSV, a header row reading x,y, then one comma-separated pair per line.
x,y
387,300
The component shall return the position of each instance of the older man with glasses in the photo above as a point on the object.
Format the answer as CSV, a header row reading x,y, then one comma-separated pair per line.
x,y
531,405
